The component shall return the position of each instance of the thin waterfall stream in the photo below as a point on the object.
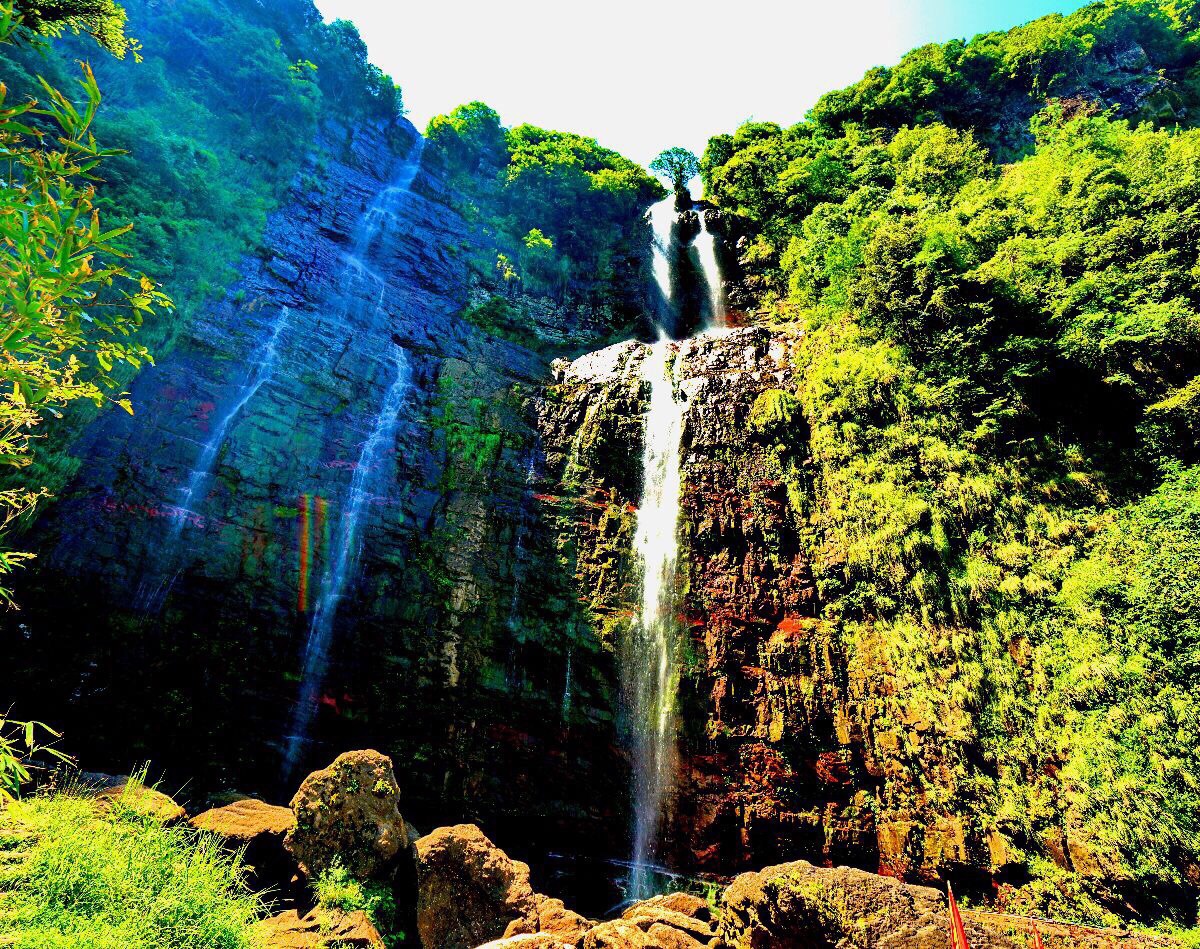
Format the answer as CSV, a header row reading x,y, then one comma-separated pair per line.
x,y
345,562
151,596
342,566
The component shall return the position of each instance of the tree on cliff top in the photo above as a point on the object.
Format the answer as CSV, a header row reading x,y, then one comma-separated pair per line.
x,y
678,166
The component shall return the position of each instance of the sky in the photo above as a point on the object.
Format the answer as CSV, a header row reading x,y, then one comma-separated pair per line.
x,y
644,75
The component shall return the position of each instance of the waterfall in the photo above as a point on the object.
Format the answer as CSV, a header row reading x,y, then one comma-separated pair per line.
x,y
651,668
662,220
701,255
566,698
343,565
340,569
706,254
150,598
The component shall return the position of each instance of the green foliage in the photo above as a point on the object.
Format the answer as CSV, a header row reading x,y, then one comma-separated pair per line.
x,y
69,305
565,214
1001,379
995,82
19,745
337,889
103,20
677,165
77,878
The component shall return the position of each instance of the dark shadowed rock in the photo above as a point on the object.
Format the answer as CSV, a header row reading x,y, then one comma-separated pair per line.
x,y
468,890
349,812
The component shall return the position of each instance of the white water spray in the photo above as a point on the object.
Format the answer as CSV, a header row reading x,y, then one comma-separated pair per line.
x,y
662,221
651,667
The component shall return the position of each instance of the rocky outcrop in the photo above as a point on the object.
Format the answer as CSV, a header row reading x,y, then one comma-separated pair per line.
x,y
349,814
257,830
797,905
468,890
129,794
317,930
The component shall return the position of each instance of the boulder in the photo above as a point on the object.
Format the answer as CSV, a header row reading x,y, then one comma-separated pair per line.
x,y
468,890
246,822
320,929
111,791
551,919
798,905
349,813
257,828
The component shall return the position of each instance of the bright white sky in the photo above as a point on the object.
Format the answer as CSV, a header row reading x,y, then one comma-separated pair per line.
x,y
643,75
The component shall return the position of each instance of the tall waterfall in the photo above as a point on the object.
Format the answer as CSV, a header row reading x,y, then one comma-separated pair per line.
x,y
152,595
342,566
662,221
651,668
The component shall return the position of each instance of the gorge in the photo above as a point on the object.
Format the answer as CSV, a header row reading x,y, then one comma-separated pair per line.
x,y
840,510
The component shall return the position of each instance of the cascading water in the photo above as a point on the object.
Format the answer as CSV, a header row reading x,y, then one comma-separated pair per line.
x,y
662,221
339,571
651,667
345,561
706,258
151,597
668,247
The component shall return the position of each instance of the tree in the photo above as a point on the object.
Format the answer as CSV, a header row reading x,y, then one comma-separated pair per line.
x,y
68,308
678,166
103,20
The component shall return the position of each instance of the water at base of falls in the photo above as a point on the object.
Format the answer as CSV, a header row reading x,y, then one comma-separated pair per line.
x,y
345,561
650,666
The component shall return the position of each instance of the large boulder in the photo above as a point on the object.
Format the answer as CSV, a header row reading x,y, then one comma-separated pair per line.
x,y
468,890
797,905
258,829
320,929
349,813
672,921
552,920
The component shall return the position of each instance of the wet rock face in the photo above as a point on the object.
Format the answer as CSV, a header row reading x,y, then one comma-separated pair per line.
x,y
754,653
468,891
185,631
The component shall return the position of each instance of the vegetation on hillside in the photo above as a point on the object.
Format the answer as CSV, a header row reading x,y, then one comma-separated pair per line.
x,y
204,130
998,414
69,305
564,214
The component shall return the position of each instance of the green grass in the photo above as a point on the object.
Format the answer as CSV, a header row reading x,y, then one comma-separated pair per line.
x,y
70,877
337,889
